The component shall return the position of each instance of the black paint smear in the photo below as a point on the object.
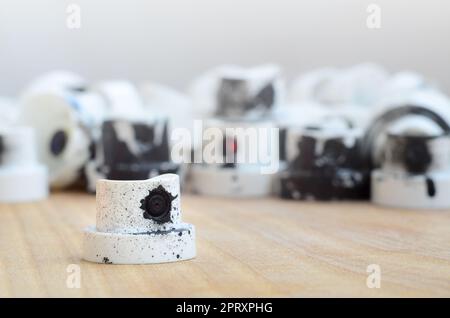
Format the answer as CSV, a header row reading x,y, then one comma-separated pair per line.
x,y
326,186
265,97
234,99
282,143
157,205
431,187
335,155
417,157
163,232
380,124
229,147
306,157
2,148
338,172
78,89
121,164
116,152
410,151
92,150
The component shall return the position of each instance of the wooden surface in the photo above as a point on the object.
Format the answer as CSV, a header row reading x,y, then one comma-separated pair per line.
x,y
263,247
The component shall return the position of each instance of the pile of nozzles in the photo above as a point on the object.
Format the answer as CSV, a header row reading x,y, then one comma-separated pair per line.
x,y
356,133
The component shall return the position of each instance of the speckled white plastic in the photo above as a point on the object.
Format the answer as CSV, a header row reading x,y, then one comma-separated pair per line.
x,y
118,204
143,248
123,236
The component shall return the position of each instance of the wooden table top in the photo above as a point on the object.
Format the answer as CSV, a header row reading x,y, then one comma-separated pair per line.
x,y
265,247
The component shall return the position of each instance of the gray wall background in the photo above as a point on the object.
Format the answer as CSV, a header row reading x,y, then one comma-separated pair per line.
x,y
170,41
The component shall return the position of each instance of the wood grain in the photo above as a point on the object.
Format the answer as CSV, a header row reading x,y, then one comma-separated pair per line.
x,y
265,247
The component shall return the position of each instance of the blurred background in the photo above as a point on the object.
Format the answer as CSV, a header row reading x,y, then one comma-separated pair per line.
x,y
134,71
172,41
